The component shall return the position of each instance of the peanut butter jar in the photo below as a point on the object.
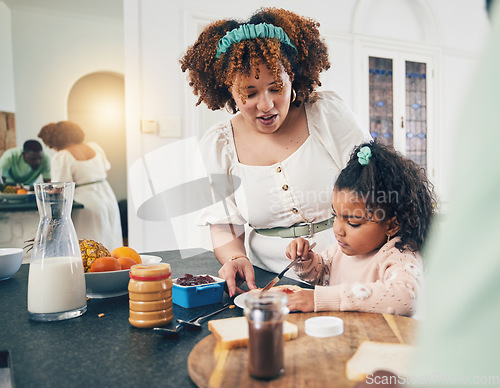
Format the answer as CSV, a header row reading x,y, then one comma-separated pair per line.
x,y
150,295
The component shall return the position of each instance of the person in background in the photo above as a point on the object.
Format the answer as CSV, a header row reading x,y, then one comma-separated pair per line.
x,y
86,165
281,151
383,206
24,166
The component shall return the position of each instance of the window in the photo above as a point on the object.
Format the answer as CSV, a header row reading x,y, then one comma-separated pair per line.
x,y
381,96
398,101
416,112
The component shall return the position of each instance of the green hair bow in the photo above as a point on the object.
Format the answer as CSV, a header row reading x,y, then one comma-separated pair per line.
x,y
252,31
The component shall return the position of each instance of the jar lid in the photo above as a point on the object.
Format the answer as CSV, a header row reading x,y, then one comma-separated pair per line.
x,y
150,271
324,326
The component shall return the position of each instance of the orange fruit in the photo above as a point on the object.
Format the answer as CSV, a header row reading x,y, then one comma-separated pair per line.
x,y
22,191
126,252
126,262
104,264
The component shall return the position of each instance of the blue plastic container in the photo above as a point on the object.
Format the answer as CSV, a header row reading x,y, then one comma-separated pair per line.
x,y
196,296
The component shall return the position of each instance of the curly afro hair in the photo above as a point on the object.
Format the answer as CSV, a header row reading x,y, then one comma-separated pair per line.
x,y
212,77
395,184
62,134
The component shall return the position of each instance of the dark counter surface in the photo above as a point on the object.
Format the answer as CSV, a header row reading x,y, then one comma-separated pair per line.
x,y
105,352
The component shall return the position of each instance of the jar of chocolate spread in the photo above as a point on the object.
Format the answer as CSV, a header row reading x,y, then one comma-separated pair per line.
x,y
266,313
150,295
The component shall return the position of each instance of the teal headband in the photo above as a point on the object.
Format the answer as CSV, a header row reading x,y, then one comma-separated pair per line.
x,y
252,31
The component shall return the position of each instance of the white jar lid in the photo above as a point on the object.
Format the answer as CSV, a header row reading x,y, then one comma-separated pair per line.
x,y
324,326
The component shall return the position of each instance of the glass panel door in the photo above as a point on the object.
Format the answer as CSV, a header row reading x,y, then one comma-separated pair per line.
x,y
399,122
416,112
381,97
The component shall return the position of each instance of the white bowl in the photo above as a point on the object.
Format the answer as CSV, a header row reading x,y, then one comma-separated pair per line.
x,y
112,283
10,261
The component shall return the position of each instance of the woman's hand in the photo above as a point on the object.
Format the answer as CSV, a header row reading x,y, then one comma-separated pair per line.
x,y
235,272
302,300
298,247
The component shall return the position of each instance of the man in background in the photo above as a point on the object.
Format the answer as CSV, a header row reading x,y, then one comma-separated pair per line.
x,y
24,166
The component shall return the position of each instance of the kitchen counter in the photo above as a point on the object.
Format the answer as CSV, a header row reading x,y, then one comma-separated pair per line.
x,y
93,351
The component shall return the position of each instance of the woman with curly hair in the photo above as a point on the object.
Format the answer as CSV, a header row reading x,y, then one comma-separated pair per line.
x,y
86,165
273,163
383,206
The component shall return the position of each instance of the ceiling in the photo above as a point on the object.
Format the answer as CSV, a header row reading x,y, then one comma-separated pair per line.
x,y
102,8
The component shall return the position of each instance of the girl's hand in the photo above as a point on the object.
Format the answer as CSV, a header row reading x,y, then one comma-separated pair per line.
x,y
236,272
298,247
302,300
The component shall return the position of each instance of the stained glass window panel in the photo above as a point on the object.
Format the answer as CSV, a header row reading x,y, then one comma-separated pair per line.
x,y
381,99
416,112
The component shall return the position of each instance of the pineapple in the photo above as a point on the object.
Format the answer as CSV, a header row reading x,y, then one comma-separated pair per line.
x,y
92,250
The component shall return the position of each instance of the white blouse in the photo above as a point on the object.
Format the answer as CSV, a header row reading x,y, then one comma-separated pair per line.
x,y
298,189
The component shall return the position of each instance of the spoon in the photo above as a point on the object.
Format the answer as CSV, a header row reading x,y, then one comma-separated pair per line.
x,y
196,322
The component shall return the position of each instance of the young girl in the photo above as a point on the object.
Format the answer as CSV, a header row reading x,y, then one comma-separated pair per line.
x,y
383,206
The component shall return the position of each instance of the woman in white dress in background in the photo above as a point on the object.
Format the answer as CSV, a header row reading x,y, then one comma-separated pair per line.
x,y
86,165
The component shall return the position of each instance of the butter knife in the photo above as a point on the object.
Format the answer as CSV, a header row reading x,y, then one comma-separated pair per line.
x,y
280,275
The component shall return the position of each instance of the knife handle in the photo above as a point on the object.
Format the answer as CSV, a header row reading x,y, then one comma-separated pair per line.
x,y
310,249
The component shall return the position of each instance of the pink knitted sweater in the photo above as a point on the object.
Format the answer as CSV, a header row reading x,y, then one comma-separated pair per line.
x,y
383,281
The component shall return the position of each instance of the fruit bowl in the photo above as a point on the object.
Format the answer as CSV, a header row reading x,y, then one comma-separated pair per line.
x,y
111,283
107,284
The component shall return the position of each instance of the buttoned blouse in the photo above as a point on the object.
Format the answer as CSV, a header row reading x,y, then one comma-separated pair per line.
x,y
297,189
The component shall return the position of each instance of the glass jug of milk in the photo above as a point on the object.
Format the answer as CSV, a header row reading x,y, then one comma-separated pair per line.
x,y
56,282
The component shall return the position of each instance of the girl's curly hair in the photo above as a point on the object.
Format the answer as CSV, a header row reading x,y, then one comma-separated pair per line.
x,y
395,184
212,77
61,134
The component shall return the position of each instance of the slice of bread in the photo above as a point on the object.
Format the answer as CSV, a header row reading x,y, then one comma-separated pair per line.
x,y
372,356
233,332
